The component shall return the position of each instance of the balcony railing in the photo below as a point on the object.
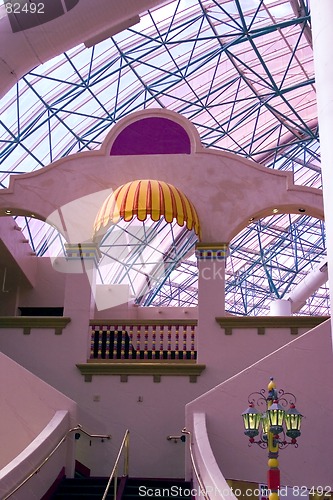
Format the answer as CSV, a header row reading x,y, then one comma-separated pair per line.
x,y
142,347
131,340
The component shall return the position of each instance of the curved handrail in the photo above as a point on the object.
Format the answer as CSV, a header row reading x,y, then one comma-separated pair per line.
x,y
79,428
194,467
125,442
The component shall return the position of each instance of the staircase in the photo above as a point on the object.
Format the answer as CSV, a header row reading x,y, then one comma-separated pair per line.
x,y
139,489
92,488
83,488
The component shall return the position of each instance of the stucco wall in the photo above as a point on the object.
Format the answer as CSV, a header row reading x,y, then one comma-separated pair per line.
x,y
151,411
44,445
303,367
50,289
27,406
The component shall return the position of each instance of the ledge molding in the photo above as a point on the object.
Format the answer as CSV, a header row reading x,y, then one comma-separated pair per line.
x,y
143,322
261,323
58,323
140,367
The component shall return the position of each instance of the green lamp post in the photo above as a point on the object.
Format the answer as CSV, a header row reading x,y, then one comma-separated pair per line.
x,y
268,425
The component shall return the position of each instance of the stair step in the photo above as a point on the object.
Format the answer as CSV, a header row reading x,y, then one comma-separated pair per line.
x,y
135,489
83,488
83,495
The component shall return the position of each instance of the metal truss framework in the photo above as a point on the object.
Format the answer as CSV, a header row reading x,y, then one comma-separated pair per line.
x,y
242,72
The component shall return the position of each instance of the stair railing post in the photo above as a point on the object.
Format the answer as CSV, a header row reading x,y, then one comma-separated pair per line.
x,y
115,481
114,474
126,456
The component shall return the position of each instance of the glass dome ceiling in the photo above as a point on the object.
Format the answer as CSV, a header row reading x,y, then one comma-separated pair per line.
x,y
242,72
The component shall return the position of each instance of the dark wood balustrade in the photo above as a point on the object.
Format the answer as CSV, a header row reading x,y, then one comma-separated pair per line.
x,y
142,347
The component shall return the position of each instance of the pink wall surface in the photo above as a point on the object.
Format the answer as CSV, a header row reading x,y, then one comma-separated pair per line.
x,y
50,289
151,411
132,311
27,406
303,367
33,456
226,355
18,261
19,248
213,482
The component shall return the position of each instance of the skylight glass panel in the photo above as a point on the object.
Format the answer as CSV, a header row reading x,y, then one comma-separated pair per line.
x,y
251,96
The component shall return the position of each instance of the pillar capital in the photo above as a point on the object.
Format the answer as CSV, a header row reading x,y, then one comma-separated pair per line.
x,y
211,251
83,251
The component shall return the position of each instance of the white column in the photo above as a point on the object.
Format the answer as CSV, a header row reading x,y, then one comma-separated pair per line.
x,y
81,265
280,307
79,303
211,280
322,34
211,302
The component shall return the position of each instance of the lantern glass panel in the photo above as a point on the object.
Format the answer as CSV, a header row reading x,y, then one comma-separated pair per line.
x,y
251,419
276,416
265,423
293,422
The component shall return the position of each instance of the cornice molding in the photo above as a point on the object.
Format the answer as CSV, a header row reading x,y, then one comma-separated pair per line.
x,y
141,367
58,323
229,323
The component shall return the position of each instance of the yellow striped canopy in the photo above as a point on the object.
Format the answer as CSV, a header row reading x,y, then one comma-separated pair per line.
x,y
147,197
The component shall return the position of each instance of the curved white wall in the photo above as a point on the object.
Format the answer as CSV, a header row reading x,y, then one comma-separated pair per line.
x,y
214,483
32,457
27,406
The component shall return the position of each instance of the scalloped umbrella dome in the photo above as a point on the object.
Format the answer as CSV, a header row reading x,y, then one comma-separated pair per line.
x,y
143,198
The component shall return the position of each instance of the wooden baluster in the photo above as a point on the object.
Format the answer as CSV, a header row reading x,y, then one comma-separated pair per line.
x,y
115,339
192,342
169,342
161,341
145,353
92,342
130,352
177,342
138,342
153,352
100,339
123,338
184,341
107,344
